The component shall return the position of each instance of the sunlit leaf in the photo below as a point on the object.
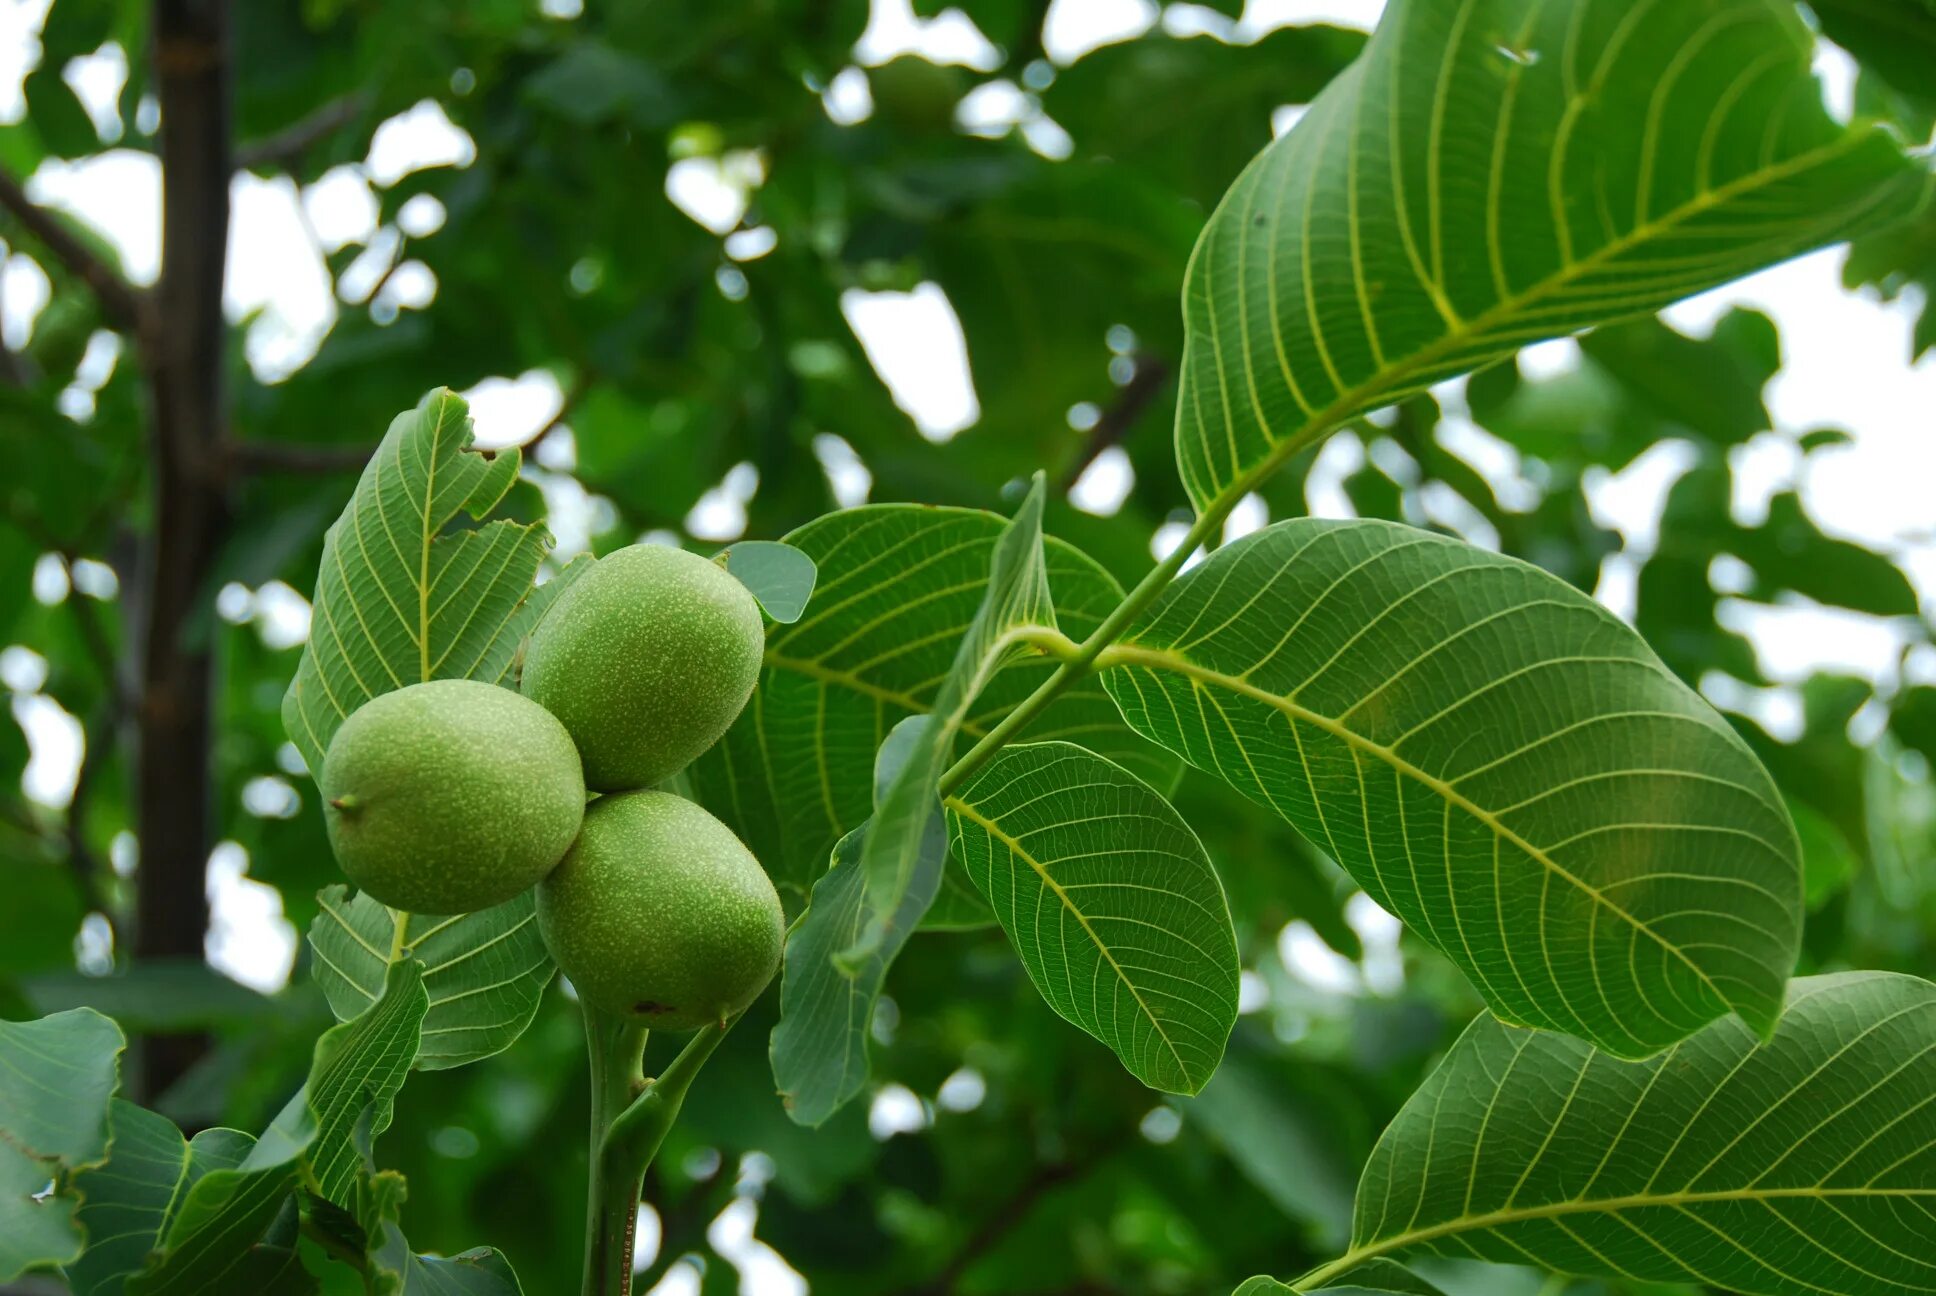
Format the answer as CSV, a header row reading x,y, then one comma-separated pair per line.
x,y
1111,903
1493,172
1497,760
780,576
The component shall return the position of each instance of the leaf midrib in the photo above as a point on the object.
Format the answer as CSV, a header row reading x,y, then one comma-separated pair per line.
x,y
1606,1206
966,811
1158,659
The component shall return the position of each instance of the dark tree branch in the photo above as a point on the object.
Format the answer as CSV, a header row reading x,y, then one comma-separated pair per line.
x,y
1145,383
1044,1179
290,143
174,792
121,302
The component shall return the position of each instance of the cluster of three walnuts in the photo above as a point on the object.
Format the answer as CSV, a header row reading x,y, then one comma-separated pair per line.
x,y
454,795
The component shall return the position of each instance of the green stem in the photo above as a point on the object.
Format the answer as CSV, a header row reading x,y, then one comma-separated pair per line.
x,y
617,1048
1079,660
1324,1273
630,1119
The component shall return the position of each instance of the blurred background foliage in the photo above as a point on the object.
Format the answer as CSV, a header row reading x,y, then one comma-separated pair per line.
x,y
703,366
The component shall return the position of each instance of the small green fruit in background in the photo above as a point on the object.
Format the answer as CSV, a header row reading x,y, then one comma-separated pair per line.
x,y
450,796
658,913
647,658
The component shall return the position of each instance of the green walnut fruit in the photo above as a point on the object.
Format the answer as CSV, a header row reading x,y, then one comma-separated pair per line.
x,y
450,796
659,914
647,658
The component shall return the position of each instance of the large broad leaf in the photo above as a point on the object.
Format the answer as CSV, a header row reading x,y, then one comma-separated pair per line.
x,y
898,586
1111,903
398,603
819,1048
1496,758
1494,172
209,1241
57,1075
485,972
1803,1165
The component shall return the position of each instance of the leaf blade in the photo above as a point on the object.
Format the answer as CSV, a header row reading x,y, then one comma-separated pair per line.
x,y
61,1074
1496,759
898,587
485,973
1072,838
1807,1163
1586,209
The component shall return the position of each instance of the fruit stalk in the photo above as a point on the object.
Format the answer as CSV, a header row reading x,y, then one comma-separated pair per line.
x,y
630,1118
617,1049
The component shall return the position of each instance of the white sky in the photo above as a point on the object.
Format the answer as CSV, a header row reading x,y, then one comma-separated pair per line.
x,y
1846,366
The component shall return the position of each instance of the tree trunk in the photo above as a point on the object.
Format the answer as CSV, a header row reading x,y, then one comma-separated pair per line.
x,y
185,356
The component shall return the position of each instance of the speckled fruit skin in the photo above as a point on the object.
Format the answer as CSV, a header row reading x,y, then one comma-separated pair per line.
x,y
454,796
647,658
658,913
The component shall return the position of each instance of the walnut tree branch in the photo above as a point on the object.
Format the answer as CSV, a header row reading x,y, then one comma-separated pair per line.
x,y
1145,382
290,143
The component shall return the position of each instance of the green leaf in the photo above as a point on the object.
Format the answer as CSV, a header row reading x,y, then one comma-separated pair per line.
x,y
485,973
60,1072
1805,1164
1111,903
1015,604
1497,760
318,1139
898,586
396,602
819,1047
129,1202
1373,1278
780,576
1495,172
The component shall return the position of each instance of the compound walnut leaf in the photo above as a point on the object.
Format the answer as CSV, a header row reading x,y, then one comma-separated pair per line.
x,y
1490,173
1496,758
1806,1164
1111,903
